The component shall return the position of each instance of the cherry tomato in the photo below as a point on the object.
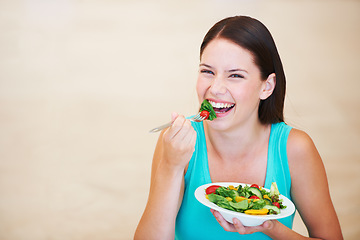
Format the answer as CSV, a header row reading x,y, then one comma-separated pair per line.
x,y
204,114
254,197
255,186
211,189
276,204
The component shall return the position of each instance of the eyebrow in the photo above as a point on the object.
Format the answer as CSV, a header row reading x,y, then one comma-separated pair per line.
x,y
205,65
237,70
231,70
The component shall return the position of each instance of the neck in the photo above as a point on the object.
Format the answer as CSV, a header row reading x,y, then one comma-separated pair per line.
x,y
237,143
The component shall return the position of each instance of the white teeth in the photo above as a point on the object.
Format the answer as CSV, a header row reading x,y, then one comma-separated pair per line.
x,y
220,105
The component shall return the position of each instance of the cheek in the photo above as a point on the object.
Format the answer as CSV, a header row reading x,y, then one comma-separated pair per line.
x,y
246,93
201,87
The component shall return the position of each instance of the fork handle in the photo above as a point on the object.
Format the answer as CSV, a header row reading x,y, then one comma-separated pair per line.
x,y
157,129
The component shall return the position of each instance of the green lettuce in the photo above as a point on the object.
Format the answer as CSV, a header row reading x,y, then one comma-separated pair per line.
x,y
239,206
205,105
220,201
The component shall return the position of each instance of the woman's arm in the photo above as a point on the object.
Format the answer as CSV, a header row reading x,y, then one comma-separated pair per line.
x,y
309,187
173,152
310,194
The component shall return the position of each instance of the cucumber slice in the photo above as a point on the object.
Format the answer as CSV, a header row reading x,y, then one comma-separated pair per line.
x,y
268,202
273,208
256,192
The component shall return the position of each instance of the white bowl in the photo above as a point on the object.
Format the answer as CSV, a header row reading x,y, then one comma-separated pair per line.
x,y
246,220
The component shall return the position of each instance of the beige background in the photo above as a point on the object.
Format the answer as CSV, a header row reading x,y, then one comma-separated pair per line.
x,y
82,82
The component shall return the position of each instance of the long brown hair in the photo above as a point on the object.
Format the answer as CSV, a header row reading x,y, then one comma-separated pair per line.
x,y
252,35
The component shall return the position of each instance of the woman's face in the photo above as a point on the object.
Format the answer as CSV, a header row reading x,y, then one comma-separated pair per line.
x,y
230,81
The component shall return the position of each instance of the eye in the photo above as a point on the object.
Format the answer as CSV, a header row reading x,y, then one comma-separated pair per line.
x,y
207,71
236,76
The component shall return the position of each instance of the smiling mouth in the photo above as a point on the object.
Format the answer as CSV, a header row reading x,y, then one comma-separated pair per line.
x,y
221,107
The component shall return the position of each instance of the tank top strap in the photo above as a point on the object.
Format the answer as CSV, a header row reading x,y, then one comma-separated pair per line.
x,y
277,164
198,165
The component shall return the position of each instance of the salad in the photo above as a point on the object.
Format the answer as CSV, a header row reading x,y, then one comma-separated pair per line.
x,y
207,110
253,200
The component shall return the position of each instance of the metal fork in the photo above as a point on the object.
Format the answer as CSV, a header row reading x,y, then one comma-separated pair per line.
x,y
196,118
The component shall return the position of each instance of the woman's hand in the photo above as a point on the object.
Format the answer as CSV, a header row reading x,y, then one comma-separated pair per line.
x,y
238,227
179,142
273,228
173,152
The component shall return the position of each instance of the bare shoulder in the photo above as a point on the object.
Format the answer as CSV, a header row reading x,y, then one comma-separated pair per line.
x,y
299,142
303,156
300,147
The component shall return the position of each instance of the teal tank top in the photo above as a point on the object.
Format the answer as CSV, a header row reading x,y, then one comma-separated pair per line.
x,y
195,221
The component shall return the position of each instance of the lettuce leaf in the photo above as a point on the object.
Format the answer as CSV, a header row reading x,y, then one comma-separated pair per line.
x,y
220,201
242,205
225,192
205,105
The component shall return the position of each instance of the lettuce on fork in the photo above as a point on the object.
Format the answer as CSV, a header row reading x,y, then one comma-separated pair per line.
x,y
205,105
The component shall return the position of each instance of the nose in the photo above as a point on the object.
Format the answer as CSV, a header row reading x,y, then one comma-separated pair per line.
x,y
218,87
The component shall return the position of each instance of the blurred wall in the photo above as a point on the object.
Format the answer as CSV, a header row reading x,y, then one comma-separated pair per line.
x,y
82,82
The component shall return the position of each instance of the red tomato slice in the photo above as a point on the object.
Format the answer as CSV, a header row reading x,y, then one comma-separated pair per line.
x,y
255,186
276,204
204,114
254,197
211,189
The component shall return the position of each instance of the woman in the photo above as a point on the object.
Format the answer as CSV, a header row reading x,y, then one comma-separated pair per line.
x,y
241,75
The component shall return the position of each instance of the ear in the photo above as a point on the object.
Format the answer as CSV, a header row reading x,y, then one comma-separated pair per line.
x,y
268,86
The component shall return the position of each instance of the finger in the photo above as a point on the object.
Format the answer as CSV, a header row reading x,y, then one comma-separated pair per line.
x,y
268,224
185,139
180,128
225,224
178,122
176,126
190,139
239,227
186,132
174,115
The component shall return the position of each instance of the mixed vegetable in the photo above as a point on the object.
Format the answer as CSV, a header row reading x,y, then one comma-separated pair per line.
x,y
252,200
207,111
